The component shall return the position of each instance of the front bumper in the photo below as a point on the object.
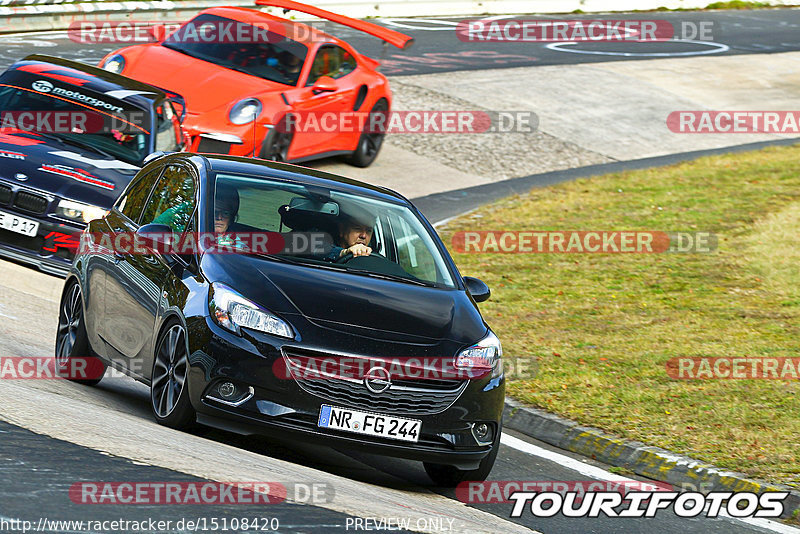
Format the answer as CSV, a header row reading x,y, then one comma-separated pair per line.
x,y
52,249
279,407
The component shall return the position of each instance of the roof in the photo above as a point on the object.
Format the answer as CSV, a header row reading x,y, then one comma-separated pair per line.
x,y
92,78
302,175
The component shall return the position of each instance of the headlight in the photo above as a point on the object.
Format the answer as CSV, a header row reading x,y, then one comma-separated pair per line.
x,y
486,354
245,111
232,311
115,63
78,211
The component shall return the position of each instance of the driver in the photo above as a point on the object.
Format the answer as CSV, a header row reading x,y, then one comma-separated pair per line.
x,y
355,234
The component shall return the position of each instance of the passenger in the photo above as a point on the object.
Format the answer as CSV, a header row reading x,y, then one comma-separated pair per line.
x,y
226,208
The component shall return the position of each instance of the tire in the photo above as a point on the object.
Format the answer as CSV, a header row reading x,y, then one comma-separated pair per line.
x,y
72,340
448,476
169,392
277,142
370,143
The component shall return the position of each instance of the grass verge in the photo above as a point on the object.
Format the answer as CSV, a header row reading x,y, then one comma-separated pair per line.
x,y
601,327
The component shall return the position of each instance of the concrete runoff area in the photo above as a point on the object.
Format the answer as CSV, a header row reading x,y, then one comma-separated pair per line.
x,y
588,114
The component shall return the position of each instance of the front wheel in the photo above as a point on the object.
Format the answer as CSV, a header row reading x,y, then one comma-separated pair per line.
x,y
169,394
449,476
370,142
72,342
277,142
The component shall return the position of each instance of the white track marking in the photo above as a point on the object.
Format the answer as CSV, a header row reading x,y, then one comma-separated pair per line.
x,y
599,473
717,48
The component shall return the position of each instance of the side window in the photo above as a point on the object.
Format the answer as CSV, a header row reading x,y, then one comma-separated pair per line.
x,y
131,203
168,129
333,61
172,202
412,254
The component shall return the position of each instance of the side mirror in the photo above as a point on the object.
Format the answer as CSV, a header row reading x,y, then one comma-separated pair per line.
x,y
325,84
156,236
479,290
157,31
150,157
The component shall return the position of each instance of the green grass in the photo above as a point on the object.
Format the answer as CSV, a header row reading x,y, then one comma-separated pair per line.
x,y
600,327
738,4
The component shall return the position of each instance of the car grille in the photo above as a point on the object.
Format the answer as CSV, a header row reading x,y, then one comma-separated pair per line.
x,y
213,146
404,397
30,202
5,194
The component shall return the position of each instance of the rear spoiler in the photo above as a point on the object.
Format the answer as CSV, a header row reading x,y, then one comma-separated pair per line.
x,y
397,39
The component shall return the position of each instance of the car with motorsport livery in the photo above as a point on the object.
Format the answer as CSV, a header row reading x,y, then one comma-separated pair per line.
x,y
384,352
71,138
242,96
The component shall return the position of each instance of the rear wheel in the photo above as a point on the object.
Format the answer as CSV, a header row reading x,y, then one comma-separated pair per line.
x,y
169,393
72,342
370,142
449,476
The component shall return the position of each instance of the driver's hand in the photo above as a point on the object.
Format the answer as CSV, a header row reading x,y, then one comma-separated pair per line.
x,y
358,249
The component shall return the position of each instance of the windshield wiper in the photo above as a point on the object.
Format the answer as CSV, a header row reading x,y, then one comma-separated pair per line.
x,y
76,142
395,277
71,141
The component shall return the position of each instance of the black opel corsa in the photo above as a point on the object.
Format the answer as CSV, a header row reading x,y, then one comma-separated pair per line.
x,y
254,341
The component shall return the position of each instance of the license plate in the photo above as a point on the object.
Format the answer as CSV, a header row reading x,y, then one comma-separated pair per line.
x,y
372,424
20,225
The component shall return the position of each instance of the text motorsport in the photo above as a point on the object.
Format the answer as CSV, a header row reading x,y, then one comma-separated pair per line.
x,y
582,242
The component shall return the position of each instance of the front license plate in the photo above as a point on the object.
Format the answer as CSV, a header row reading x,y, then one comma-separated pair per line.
x,y
20,225
372,424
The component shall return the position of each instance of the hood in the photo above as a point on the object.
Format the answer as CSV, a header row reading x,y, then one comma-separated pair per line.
x,y
196,80
352,303
66,171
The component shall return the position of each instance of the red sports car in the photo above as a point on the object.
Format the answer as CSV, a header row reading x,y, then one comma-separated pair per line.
x,y
260,85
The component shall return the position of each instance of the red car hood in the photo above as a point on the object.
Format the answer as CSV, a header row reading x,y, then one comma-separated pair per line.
x,y
204,85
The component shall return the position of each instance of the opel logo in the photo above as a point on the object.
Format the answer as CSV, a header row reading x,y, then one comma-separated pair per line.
x,y
43,86
377,380
21,177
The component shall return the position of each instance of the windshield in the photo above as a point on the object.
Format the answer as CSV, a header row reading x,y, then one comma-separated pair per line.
x,y
400,247
113,135
262,53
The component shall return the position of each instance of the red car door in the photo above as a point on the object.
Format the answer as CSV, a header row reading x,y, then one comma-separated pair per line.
x,y
319,125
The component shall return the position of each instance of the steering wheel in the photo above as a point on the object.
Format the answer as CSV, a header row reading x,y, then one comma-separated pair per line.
x,y
349,256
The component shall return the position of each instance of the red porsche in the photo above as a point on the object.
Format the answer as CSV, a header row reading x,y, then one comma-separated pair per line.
x,y
265,86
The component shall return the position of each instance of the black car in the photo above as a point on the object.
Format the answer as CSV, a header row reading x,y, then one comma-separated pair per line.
x,y
71,138
241,340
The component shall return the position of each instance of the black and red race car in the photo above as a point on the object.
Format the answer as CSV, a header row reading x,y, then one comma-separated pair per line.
x,y
71,138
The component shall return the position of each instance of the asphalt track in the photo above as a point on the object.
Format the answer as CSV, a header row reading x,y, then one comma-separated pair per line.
x,y
437,48
59,433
